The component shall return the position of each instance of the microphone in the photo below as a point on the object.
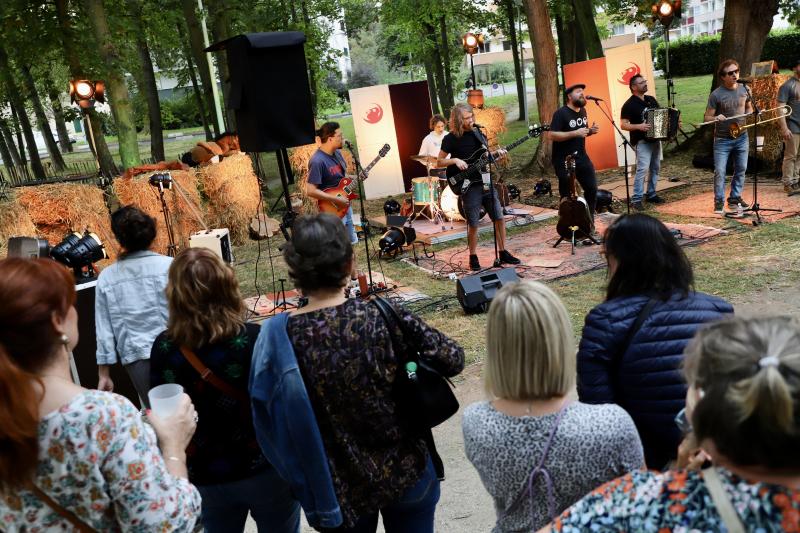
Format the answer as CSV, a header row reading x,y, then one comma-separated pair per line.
x,y
594,98
348,145
476,125
745,81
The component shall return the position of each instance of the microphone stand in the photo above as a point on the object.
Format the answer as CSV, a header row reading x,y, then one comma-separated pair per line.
x,y
364,222
484,142
625,144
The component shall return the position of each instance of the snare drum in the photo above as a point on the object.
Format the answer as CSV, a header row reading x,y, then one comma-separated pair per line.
x,y
422,189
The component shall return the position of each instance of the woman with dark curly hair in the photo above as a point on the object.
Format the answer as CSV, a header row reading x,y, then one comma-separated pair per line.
x,y
322,391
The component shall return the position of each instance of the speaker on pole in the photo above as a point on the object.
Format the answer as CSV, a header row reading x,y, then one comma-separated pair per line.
x,y
475,293
270,93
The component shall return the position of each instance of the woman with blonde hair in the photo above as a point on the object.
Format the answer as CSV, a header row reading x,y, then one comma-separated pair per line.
x,y
535,449
207,349
744,407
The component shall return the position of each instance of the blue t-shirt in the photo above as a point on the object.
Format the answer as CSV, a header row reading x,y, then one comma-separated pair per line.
x,y
325,170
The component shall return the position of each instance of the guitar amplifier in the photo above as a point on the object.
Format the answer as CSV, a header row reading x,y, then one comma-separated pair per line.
x,y
216,240
475,293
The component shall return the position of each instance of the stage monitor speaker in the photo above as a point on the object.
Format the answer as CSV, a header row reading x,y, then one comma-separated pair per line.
x,y
216,240
475,293
269,90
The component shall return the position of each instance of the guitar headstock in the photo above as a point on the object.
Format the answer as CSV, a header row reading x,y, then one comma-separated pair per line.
x,y
537,129
384,150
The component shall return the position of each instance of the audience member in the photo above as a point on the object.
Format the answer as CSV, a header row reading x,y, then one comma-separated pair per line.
x,y
632,345
535,450
326,371
207,349
75,459
130,303
743,400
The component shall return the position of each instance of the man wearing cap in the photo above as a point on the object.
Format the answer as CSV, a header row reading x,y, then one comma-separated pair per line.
x,y
789,94
568,130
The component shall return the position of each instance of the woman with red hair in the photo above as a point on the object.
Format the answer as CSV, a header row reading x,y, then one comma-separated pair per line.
x,y
72,458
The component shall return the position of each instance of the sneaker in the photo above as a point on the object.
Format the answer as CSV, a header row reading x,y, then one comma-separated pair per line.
x,y
508,259
474,264
734,202
792,189
719,207
655,199
598,239
637,206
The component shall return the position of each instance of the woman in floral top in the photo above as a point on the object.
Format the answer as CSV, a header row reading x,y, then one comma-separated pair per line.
x,y
744,406
73,457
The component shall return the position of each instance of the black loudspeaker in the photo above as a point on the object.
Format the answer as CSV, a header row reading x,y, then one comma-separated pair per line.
x,y
269,93
475,293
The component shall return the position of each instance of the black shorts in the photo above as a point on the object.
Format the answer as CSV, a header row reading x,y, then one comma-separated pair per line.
x,y
474,198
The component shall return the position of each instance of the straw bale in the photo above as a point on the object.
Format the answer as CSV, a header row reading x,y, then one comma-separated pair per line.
x,y
765,93
233,193
61,208
494,120
14,222
299,158
138,191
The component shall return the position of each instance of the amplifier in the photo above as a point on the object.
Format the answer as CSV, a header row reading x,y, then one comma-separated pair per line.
x,y
476,292
216,240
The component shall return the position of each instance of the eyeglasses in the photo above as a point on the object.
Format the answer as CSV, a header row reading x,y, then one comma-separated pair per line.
x,y
731,72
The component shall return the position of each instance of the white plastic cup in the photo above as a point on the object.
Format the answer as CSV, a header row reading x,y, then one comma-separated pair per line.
x,y
164,399
759,143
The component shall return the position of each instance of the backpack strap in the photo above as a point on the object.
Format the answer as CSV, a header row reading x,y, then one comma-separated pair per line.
x,y
68,515
722,502
211,378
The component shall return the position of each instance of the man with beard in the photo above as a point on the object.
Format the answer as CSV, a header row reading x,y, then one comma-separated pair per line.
x,y
568,130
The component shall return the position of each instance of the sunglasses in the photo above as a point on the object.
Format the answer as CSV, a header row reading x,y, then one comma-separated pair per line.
x,y
731,72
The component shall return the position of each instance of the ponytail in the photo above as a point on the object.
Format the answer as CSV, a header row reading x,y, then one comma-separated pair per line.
x,y
766,396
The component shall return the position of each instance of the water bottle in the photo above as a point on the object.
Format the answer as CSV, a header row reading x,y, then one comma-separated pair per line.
x,y
739,210
411,370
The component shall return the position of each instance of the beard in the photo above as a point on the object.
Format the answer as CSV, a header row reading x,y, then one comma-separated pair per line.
x,y
580,102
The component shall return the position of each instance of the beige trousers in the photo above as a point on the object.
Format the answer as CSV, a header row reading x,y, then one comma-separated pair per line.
x,y
791,160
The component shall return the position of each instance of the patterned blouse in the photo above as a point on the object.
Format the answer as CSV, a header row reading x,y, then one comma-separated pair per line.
x,y
348,365
98,459
224,446
678,501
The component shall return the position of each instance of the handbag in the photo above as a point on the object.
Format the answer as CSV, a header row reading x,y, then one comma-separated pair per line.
x,y
68,515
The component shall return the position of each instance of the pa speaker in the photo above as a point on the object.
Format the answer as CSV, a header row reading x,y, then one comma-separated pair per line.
x,y
269,90
475,293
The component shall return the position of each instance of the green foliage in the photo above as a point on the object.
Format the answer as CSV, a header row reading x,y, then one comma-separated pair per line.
x,y
690,56
177,113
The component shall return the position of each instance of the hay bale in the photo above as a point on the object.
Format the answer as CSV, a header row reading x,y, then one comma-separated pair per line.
x,y
61,208
138,191
14,222
299,158
765,93
233,193
494,120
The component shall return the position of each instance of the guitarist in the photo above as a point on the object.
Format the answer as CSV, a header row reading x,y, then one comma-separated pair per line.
x,y
325,168
568,130
465,145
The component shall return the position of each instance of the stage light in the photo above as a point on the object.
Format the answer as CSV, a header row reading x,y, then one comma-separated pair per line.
x,y
79,252
395,238
470,41
29,247
666,10
84,89
391,207
86,92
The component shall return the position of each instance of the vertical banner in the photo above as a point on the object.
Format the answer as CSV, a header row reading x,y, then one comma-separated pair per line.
x,y
373,121
411,108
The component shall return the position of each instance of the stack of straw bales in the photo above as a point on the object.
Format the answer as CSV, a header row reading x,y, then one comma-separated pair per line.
x,y
14,222
233,194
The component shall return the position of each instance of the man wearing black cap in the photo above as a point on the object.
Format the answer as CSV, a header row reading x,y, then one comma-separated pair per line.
x,y
789,94
568,130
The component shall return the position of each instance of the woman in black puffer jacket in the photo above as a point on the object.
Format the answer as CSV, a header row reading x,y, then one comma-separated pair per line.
x,y
651,286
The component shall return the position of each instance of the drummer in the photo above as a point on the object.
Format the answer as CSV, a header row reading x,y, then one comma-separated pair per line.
x,y
432,142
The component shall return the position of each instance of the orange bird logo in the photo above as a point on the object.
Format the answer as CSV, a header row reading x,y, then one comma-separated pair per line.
x,y
626,75
374,114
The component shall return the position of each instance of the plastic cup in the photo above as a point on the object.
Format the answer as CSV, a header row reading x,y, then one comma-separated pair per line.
x,y
759,143
164,399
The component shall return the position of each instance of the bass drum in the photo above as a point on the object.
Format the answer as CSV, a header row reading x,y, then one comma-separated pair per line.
x,y
453,206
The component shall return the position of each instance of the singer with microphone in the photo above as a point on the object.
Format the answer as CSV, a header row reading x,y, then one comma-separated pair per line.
x,y
568,130
465,145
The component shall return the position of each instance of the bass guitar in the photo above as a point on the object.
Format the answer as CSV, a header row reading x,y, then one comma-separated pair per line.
x,y
460,182
347,187
574,218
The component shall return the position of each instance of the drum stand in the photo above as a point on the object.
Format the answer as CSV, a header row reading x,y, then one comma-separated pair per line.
x,y
436,214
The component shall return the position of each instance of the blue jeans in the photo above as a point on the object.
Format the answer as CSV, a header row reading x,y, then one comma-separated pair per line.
x,y
351,228
412,513
648,158
723,149
266,496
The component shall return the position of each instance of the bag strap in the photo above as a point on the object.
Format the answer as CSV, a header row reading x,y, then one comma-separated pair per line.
x,y
211,378
725,508
616,361
68,515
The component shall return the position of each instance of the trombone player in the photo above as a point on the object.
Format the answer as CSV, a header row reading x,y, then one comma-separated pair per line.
x,y
730,99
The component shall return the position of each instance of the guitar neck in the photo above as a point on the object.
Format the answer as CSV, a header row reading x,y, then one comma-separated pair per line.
x,y
364,175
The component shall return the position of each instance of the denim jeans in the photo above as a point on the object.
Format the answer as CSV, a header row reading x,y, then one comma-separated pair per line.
x,y
266,496
648,160
412,513
723,149
351,228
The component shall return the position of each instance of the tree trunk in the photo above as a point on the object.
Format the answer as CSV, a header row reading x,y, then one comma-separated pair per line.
x,y
10,146
744,30
312,69
200,59
431,86
58,118
8,160
221,28
18,131
518,73
102,153
436,63
121,105
544,58
198,93
146,80
448,78
41,118
584,17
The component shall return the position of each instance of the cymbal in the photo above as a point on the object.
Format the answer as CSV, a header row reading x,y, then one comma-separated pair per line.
x,y
425,159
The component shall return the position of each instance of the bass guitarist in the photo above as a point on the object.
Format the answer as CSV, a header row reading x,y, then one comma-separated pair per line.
x,y
465,144
325,168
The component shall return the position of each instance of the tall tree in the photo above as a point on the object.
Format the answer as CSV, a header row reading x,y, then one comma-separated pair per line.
x,y
41,118
201,59
197,91
511,19
10,146
446,62
221,11
20,141
431,85
59,118
584,15
8,161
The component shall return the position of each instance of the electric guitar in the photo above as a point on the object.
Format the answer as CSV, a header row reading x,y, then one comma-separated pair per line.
x,y
347,187
460,182
573,211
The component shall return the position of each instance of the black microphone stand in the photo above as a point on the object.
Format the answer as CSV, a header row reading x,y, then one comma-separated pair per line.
x,y
755,208
484,142
625,144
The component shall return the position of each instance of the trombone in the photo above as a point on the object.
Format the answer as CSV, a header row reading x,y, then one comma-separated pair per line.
x,y
736,130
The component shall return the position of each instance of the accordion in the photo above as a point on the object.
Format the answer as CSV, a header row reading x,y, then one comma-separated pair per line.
x,y
663,123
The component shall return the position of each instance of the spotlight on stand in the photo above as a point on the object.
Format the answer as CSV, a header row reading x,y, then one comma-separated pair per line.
x,y
79,252
513,191
86,92
162,181
665,11
395,238
28,247
391,207
471,42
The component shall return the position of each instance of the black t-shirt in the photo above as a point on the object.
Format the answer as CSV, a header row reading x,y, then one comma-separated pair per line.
x,y
466,147
633,111
565,119
325,170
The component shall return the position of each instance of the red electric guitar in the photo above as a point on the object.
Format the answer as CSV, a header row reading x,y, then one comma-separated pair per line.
x,y
347,188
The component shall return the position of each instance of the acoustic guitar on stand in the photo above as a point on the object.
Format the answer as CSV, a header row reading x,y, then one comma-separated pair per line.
x,y
347,187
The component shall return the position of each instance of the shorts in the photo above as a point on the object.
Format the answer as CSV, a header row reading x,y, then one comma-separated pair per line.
x,y
474,198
